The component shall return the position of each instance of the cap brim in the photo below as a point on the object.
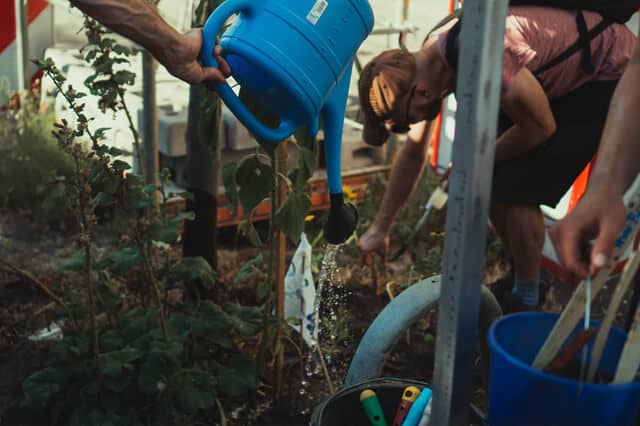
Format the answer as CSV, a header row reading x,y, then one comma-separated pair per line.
x,y
374,132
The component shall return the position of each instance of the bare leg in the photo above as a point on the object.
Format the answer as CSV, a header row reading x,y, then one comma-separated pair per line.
x,y
521,227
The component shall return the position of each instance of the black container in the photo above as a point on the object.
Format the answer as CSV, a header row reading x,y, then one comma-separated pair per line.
x,y
344,409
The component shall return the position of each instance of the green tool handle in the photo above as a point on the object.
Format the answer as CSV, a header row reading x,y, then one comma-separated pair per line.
x,y
372,408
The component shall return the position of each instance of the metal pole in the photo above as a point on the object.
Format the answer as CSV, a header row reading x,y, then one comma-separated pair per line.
x,y
478,90
22,44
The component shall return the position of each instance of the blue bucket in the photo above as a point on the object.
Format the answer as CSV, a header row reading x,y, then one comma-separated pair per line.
x,y
520,395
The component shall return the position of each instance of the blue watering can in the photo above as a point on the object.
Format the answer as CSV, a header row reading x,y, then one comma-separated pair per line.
x,y
295,58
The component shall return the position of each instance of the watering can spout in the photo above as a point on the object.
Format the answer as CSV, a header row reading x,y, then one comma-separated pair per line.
x,y
342,220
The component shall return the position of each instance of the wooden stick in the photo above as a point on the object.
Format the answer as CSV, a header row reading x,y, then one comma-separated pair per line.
x,y
282,153
26,275
575,308
630,358
332,389
565,356
603,333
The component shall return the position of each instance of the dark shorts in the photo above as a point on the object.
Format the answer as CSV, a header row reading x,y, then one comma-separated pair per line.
x,y
544,174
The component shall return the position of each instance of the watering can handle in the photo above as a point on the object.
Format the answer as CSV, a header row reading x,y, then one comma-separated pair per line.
x,y
209,33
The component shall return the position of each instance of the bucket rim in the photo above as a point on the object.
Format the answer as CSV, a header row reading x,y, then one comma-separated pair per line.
x,y
495,346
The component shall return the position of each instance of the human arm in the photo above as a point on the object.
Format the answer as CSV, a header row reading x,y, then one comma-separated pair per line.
x,y
140,22
404,176
527,105
600,213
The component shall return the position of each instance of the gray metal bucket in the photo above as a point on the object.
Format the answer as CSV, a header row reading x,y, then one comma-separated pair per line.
x,y
344,409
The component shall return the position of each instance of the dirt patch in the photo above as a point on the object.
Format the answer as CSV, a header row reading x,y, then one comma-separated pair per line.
x,y
39,249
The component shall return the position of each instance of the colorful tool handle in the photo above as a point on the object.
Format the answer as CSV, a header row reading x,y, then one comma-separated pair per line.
x,y
426,414
372,407
209,33
415,413
409,395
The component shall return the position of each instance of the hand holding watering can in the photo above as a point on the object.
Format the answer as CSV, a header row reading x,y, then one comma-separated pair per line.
x,y
295,58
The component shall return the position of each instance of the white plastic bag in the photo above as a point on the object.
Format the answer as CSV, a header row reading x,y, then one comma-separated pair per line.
x,y
300,292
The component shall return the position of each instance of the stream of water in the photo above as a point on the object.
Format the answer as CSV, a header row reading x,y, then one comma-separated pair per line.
x,y
331,324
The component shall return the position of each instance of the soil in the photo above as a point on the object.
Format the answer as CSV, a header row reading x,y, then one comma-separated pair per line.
x,y
37,248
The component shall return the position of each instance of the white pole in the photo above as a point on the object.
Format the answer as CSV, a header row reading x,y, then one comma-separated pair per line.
x,y
22,44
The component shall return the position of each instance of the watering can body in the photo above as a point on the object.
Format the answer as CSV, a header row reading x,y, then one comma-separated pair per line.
x,y
295,58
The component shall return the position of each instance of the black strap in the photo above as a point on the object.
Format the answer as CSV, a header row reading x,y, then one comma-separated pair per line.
x,y
453,44
587,62
583,44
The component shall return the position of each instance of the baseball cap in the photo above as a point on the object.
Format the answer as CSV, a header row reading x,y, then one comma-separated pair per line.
x,y
385,88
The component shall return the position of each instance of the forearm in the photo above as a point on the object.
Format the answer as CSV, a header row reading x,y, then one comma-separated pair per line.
x,y
136,20
618,160
405,174
517,140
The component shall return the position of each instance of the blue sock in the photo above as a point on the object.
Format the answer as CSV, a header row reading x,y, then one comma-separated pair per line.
x,y
527,290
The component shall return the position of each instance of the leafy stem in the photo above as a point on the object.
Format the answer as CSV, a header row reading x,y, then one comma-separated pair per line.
x,y
134,132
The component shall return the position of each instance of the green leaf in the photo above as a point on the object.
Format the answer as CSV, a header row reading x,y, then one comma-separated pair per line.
x,y
229,171
112,184
102,199
138,199
115,151
305,139
151,188
152,374
117,384
186,195
181,325
290,217
247,320
263,113
263,289
247,229
249,269
218,322
83,416
190,215
307,158
113,363
137,322
99,134
42,386
165,232
135,179
208,119
121,261
239,377
161,362
121,50
70,347
120,165
256,182
75,262
191,269
307,167
169,232
197,391
111,340
124,77
91,55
